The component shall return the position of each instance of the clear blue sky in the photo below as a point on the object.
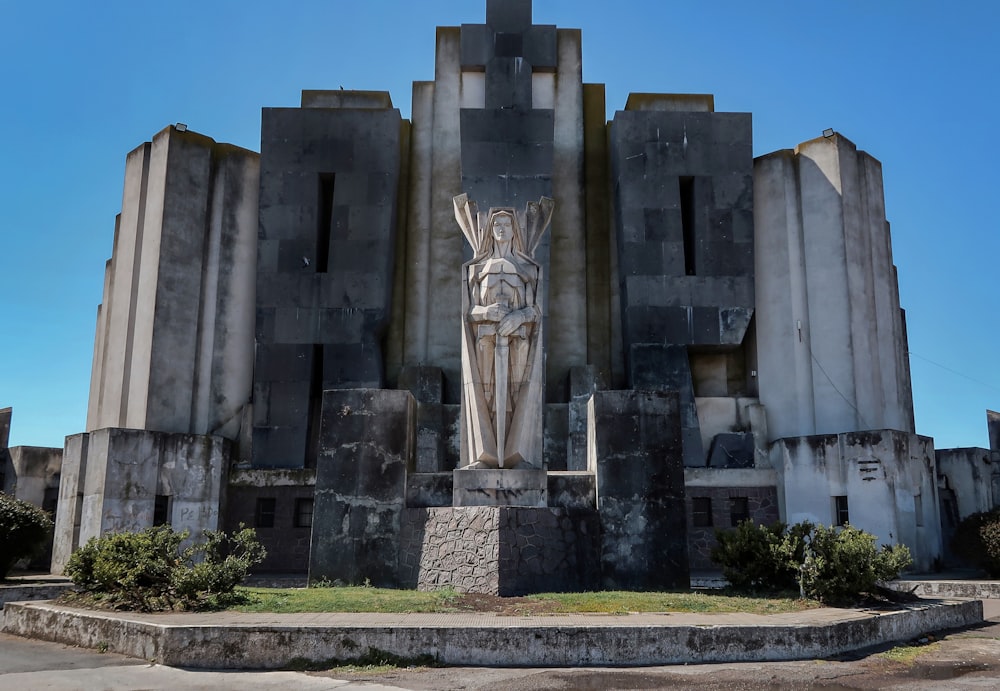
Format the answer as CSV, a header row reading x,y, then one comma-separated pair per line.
x,y
912,82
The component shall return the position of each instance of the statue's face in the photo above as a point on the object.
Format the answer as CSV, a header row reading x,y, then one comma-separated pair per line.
x,y
503,228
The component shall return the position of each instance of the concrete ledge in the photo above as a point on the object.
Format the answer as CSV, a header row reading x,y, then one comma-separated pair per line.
x,y
979,590
242,641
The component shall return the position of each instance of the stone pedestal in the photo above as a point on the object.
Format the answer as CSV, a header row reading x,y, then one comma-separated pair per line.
x,y
500,550
482,487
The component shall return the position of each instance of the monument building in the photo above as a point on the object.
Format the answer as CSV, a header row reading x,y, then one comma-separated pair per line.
x,y
505,344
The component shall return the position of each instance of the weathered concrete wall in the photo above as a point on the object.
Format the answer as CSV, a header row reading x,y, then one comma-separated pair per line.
x,y
887,476
500,550
328,199
502,122
66,534
35,475
733,432
366,448
634,447
993,422
683,201
974,477
286,539
174,341
434,249
831,335
5,414
112,477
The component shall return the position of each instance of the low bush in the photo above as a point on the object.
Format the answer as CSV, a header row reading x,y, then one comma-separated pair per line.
x,y
977,540
841,564
761,557
24,532
150,570
832,565
751,557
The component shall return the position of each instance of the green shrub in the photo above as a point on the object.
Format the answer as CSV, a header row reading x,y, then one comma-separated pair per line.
x,y
841,564
977,540
751,557
149,570
24,531
832,565
761,557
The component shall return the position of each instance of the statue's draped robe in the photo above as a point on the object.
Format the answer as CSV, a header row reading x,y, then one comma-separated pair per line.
x,y
514,280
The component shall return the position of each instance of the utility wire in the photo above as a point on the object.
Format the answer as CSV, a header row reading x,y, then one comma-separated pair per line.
x,y
955,372
830,379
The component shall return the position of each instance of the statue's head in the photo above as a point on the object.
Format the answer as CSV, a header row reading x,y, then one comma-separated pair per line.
x,y
503,226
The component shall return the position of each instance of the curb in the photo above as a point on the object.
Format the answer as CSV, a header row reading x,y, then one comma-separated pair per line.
x,y
484,641
20,592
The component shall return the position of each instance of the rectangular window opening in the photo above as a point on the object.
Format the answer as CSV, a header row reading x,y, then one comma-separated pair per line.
x,y
325,222
264,514
303,512
161,510
50,500
918,509
314,420
702,512
840,512
739,510
686,185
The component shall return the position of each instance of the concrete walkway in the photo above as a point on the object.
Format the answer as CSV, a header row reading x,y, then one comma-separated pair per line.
x,y
229,640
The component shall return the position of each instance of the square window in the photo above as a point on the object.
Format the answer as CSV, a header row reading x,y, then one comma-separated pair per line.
x,y
303,512
702,512
739,510
840,513
264,515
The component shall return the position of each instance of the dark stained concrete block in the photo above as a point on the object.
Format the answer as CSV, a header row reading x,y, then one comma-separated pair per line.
x,y
732,450
668,368
366,446
637,455
327,229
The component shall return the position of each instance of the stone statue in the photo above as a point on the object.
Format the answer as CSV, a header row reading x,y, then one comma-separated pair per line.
x,y
502,359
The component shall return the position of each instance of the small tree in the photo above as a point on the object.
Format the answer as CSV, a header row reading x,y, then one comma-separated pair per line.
x,y
24,531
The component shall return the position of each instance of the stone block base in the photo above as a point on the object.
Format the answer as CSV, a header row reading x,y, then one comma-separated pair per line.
x,y
500,550
485,487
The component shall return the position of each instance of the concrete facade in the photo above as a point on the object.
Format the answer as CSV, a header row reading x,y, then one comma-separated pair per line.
x,y
32,475
120,479
326,239
174,344
881,481
831,342
716,327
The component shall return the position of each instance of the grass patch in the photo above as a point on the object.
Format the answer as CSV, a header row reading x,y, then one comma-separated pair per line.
x,y
372,661
622,602
345,599
907,654
380,600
